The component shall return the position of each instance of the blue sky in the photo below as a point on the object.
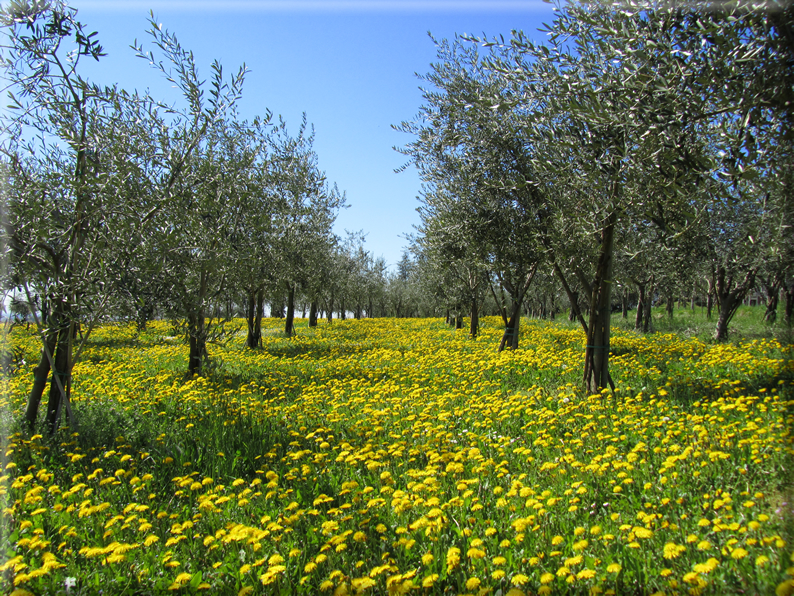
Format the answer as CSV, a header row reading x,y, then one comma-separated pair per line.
x,y
349,64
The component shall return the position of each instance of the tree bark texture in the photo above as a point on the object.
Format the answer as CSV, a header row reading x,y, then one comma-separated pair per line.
x,y
575,314
40,375
197,339
510,336
772,299
254,309
596,368
61,371
770,316
729,298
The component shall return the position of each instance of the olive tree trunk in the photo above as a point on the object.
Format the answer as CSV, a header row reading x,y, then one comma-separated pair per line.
x,y
253,315
772,299
474,325
313,314
510,336
729,298
40,375
596,367
788,291
289,322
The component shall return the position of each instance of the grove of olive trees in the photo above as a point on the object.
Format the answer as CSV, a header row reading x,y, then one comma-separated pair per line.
x,y
643,153
120,206
645,144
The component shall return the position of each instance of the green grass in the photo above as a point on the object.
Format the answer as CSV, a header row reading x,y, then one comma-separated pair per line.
x,y
400,456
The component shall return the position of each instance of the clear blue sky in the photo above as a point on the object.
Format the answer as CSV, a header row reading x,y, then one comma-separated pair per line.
x,y
349,64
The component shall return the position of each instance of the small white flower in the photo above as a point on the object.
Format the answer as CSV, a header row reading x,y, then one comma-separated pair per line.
x,y
69,583
242,556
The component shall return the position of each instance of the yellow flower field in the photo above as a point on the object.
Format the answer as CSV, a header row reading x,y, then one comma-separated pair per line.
x,y
397,456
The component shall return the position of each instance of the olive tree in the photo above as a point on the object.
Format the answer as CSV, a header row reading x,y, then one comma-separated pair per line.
x,y
485,200
88,166
303,236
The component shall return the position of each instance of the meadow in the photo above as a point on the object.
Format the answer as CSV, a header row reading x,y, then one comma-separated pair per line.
x,y
398,456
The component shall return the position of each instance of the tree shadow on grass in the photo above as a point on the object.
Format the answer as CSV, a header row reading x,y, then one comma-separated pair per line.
x,y
687,391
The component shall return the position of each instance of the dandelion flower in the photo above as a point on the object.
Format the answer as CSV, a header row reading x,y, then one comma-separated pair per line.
x,y
672,550
519,580
429,580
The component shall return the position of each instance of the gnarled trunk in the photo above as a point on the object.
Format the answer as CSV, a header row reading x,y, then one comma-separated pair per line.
x,y
772,298
510,335
729,299
40,375
517,294
596,364
61,383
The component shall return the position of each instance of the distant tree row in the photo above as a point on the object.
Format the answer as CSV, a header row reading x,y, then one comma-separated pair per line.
x,y
645,145
644,151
